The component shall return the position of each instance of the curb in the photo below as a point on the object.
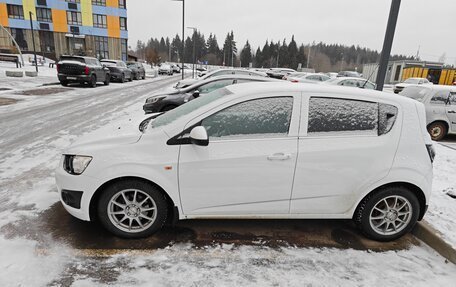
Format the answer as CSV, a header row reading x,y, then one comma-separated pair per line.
x,y
430,236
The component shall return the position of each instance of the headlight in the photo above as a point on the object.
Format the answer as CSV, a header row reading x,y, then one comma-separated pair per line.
x,y
76,164
153,100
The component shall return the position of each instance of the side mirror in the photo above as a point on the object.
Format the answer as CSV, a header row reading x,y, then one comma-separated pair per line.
x,y
198,136
196,94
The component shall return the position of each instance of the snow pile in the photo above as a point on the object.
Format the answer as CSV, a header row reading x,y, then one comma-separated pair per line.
x,y
226,265
442,208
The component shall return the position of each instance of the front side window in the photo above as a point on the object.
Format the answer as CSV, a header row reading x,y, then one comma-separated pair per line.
x,y
74,18
100,21
452,99
440,98
267,117
15,11
43,14
330,116
212,86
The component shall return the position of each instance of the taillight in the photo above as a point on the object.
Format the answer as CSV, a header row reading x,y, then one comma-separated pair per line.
x,y
294,81
431,152
86,70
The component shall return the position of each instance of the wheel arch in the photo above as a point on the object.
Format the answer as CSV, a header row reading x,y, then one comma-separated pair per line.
x,y
439,121
173,211
409,186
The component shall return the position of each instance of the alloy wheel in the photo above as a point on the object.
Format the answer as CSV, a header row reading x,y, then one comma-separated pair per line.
x,y
390,215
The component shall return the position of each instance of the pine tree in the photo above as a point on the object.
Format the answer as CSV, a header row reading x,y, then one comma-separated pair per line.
x,y
246,55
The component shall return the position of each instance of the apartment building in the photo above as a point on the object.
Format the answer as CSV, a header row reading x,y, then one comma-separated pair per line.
x,y
95,28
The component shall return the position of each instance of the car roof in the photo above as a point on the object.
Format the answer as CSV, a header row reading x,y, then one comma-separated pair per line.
x,y
229,77
285,86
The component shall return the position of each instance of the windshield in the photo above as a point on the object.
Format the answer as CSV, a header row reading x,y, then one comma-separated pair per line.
x,y
412,81
416,93
109,63
189,107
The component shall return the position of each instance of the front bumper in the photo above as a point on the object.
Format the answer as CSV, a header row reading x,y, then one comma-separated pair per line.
x,y
152,108
86,186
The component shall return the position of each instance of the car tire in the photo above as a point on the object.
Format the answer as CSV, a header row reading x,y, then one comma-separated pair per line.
x,y
132,209
437,130
93,81
122,78
388,214
107,80
168,108
64,83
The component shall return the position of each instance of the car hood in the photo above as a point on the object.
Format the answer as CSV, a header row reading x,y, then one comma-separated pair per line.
x,y
87,145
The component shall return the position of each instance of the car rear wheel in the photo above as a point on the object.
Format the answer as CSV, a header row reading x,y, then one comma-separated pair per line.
x,y
388,214
132,209
122,78
437,130
93,81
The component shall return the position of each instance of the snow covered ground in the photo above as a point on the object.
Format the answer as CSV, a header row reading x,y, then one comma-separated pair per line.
x,y
32,135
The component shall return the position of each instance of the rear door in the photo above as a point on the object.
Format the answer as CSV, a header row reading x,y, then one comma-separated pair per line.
x,y
451,111
345,145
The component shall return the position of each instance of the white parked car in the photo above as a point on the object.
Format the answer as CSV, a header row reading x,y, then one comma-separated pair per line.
x,y
440,103
351,82
308,78
411,82
165,69
252,151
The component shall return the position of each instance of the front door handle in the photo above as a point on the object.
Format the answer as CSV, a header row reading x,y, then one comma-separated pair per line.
x,y
279,156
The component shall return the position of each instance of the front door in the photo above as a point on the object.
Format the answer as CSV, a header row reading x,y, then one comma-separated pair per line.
x,y
248,166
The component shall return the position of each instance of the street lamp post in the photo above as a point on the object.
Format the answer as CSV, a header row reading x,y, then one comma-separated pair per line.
x,y
33,41
387,43
194,56
183,36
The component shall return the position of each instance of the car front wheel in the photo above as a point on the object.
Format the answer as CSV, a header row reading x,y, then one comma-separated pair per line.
x,y
132,209
388,214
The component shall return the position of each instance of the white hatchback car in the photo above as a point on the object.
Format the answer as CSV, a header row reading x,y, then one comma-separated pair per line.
x,y
269,150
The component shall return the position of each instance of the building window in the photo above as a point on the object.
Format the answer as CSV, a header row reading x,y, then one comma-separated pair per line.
x,y
101,47
74,18
44,14
47,41
124,48
123,23
99,2
19,36
15,11
73,1
100,21
123,4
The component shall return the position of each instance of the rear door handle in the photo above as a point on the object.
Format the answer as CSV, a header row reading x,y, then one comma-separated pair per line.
x,y
452,112
279,156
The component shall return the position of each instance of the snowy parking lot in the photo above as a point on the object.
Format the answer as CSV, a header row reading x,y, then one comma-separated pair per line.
x,y
42,245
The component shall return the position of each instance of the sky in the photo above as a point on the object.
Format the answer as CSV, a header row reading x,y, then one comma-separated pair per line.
x,y
424,25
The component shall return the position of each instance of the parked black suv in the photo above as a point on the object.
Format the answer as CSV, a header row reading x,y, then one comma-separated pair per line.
x,y
78,69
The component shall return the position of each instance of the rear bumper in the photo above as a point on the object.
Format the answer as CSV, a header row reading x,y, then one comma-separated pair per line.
x,y
73,78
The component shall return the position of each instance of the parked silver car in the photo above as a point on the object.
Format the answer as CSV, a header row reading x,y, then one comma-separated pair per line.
x,y
440,103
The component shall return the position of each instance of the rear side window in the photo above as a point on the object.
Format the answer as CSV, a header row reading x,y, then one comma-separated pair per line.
x,y
440,98
334,117
260,118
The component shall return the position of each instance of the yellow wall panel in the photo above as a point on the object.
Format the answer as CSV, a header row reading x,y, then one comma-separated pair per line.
x,y
425,73
113,26
29,6
443,76
3,15
112,3
86,12
59,20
